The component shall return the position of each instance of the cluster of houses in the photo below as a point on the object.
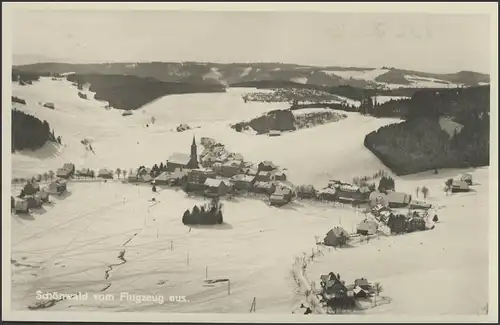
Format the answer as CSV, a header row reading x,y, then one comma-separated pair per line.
x,y
217,172
32,196
337,295
281,95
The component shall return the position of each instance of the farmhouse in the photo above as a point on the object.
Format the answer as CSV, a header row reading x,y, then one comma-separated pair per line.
x,y
231,168
21,206
264,176
367,227
263,187
279,175
348,193
459,186
242,182
198,176
105,173
216,187
398,199
281,196
49,105
336,237
327,194
267,166
415,224
180,160
57,187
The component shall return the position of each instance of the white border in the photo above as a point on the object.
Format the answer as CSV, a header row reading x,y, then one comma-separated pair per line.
x,y
490,9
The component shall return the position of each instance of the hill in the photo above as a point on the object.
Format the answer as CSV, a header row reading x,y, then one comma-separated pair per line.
x,y
243,73
422,142
131,92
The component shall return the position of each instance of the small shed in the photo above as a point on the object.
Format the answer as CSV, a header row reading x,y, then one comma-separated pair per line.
x,y
274,133
367,227
459,186
337,236
127,113
49,105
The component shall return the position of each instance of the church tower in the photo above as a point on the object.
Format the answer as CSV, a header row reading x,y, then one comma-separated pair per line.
x,y
193,162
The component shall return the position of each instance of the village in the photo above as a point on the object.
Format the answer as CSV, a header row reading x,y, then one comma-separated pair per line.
x,y
219,174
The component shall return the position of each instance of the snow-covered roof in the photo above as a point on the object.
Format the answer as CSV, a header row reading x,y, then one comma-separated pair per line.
x,y
179,158
327,190
398,197
263,184
348,188
163,176
211,182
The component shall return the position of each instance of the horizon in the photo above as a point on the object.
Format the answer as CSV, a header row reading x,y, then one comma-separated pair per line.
x,y
237,63
437,43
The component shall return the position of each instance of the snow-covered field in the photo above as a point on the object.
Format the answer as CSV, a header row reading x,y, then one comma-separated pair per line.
x,y
69,245
367,75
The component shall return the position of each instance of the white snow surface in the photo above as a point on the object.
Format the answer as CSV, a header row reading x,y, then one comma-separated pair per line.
x,y
68,246
383,99
367,75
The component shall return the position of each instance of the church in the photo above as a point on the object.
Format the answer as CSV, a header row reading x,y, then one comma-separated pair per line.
x,y
184,161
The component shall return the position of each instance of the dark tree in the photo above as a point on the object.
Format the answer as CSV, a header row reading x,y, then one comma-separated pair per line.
x,y
28,132
186,217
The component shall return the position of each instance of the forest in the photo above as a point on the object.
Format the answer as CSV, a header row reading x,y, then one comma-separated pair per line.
x,y
28,132
420,143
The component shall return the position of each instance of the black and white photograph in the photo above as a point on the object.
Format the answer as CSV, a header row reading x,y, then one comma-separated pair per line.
x,y
274,164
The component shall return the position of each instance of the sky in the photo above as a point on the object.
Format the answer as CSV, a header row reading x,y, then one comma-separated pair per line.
x,y
425,42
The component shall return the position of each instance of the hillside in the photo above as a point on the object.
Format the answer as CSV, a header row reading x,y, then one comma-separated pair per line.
x,y
421,143
130,92
243,73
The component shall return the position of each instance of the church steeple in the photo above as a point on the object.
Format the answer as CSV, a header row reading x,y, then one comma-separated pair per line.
x,y
194,155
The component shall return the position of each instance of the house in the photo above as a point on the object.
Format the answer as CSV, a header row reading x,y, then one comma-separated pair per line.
x,y
63,173
336,237
416,204
133,175
242,182
105,173
267,166
264,176
274,133
335,288
378,198
162,179
21,206
178,177
263,187
466,178
250,171
216,187
49,105
85,172
198,176
348,193
459,186
209,159
281,196
231,168
398,199
415,224
57,187
360,292
279,175
34,202
397,223
127,113
327,194
363,284
367,227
